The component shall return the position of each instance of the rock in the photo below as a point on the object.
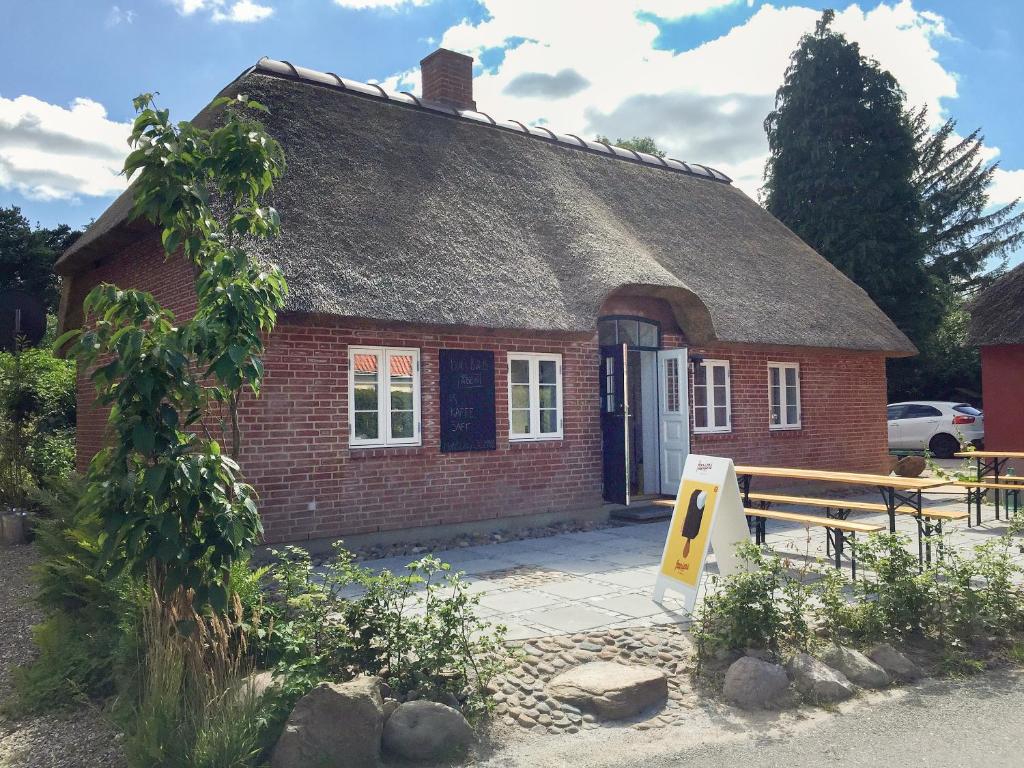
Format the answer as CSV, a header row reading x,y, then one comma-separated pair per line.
x,y
910,466
753,683
818,681
610,690
857,667
255,685
389,707
334,724
426,730
895,663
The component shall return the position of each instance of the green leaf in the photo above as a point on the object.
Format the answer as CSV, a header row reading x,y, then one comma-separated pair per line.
x,y
143,439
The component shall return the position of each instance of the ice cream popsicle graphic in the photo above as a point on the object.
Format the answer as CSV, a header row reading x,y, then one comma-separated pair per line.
x,y
692,521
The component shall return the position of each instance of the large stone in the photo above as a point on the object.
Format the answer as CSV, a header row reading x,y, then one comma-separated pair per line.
x,y
818,681
610,690
857,667
910,466
426,730
895,663
753,683
334,724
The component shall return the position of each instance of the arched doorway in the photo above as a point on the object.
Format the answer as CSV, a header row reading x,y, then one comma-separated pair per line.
x,y
644,412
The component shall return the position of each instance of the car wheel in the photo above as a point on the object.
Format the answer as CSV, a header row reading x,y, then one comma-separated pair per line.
x,y
943,446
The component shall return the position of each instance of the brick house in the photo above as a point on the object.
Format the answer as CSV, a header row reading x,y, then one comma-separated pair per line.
x,y
489,321
997,326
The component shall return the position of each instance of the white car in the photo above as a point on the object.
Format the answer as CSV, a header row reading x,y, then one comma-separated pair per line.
x,y
936,426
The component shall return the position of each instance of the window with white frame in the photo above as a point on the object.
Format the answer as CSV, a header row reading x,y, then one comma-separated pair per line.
x,y
784,395
712,404
534,396
384,396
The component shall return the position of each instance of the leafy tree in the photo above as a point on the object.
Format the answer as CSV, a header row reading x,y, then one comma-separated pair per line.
x,y
27,255
637,144
840,173
952,181
173,503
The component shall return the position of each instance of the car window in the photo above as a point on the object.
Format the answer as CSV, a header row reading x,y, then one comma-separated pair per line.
x,y
918,411
895,411
967,410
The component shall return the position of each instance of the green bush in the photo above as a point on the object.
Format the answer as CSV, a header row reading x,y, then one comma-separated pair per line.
x,y
760,607
895,597
89,633
418,631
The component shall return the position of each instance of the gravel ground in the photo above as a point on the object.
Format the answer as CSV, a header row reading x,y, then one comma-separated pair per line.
x,y
80,739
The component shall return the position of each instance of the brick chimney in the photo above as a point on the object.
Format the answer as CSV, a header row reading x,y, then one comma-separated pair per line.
x,y
448,78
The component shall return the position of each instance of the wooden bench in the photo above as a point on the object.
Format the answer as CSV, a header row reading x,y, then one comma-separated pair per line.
x,y
976,488
836,530
932,513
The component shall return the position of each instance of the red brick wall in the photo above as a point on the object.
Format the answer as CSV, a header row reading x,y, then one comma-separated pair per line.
x,y
1002,383
314,486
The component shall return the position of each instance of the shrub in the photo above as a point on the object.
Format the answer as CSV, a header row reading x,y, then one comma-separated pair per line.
x,y
895,598
760,607
419,631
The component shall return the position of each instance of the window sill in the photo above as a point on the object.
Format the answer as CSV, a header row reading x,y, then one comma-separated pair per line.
x,y
794,428
361,451
723,431
529,440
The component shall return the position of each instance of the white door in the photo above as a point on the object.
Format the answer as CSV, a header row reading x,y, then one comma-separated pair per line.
x,y
673,417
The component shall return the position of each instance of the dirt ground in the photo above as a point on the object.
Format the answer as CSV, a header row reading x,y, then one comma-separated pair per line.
x,y
80,739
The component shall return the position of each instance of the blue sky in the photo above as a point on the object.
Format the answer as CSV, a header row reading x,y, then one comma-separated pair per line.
x,y
697,74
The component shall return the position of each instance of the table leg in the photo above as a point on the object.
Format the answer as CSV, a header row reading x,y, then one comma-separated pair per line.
x,y
997,465
889,496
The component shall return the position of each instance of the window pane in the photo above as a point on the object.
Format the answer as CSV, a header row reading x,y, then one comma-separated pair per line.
x,y
721,416
366,397
606,332
548,421
365,367
776,415
401,367
366,426
720,397
401,424
401,397
548,396
718,375
700,396
774,377
700,416
791,414
520,395
648,335
547,371
672,384
700,375
520,422
520,371
628,332
791,377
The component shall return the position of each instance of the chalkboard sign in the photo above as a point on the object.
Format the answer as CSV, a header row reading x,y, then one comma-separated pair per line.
x,y
467,401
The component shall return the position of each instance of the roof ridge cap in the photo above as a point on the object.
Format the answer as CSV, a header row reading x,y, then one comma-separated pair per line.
x,y
287,70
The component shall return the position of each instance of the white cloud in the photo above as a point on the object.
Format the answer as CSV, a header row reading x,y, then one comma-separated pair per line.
x,y
705,104
240,11
391,5
1007,186
118,15
49,152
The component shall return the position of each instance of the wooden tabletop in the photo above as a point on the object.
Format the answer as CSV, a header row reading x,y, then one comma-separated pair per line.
x,y
850,478
990,455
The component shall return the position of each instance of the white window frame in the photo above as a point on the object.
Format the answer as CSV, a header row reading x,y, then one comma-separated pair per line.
x,y
709,386
384,439
534,359
784,425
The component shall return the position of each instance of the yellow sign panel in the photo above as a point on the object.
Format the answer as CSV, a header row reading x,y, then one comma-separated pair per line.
x,y
691,526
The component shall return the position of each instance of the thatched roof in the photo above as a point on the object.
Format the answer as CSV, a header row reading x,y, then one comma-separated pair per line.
x,y
398,211
997,313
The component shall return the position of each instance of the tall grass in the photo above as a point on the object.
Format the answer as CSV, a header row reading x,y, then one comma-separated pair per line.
x,y
193,708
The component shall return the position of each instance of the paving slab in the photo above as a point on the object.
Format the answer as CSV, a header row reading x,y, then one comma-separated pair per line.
x,y
516,600
575,588
570,618
635,605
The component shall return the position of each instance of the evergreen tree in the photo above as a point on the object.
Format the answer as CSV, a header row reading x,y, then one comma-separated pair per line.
x,y
841,173
952,181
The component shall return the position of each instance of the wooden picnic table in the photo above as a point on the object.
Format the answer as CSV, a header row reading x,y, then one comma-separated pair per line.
x,y
990,461
898,493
